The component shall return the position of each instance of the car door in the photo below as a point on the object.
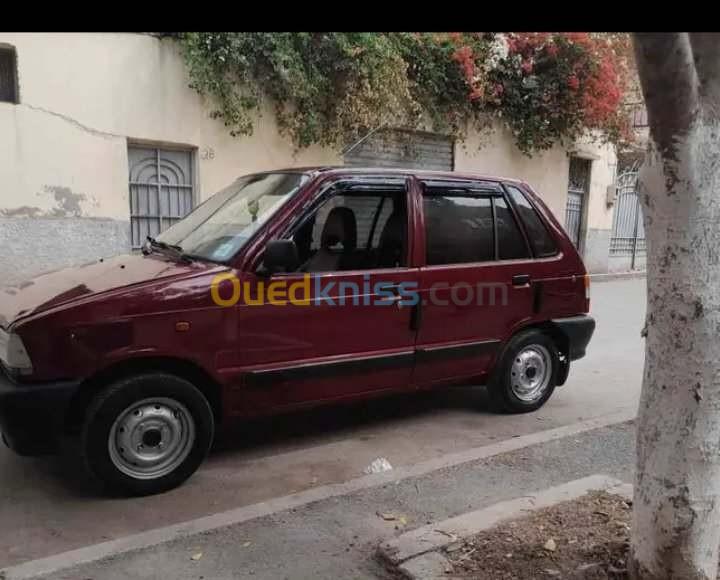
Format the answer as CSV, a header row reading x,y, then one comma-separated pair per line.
x,y
475,281
353,335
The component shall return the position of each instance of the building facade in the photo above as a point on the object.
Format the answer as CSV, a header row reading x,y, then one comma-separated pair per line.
x,y
87,122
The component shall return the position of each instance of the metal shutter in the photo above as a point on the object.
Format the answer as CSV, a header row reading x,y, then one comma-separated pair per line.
x,y
409,149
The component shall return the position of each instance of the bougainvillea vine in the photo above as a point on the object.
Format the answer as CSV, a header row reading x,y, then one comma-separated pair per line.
x,y
331,88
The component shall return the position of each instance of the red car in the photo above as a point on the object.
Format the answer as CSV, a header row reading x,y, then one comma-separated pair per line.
x,y
291,288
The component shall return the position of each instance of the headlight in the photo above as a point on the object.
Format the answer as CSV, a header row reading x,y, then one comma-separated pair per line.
x,y
13,355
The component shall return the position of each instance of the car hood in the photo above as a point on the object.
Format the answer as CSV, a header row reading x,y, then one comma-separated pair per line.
x,y
69,284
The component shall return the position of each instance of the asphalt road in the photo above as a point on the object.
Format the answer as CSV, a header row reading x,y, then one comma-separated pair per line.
x,y
47,506
336,538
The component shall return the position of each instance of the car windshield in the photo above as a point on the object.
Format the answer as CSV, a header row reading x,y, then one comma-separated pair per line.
x,y
222,225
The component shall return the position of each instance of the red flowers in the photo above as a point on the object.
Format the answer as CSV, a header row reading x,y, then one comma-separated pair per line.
x,y
464,56
477,93
577,81
602,97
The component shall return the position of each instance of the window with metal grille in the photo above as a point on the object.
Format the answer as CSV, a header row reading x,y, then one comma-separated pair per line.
x,y
638,115
161,190
8,75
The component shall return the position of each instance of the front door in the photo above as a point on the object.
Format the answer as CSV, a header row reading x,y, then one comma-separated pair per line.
x,y
578,184
353,335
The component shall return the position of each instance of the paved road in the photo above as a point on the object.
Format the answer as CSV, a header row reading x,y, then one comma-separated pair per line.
x,y
335,538
47,507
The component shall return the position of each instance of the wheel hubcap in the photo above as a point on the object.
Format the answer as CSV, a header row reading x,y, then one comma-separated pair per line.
x,y
530,373
151,438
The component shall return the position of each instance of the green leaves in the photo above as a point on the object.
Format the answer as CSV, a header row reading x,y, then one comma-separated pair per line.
x,y
331,88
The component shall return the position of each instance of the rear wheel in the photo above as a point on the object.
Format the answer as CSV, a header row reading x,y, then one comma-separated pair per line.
x,y
147,434
526,374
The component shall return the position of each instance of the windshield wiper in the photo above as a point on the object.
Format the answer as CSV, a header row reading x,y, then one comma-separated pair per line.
x,y
171,249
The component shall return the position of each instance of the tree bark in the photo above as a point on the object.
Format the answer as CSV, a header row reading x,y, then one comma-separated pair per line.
x,y
676,510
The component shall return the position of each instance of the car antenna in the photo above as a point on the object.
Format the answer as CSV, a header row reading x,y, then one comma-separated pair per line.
x,y
362,140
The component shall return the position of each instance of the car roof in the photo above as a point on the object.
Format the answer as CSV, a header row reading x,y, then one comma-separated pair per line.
x,y
419,173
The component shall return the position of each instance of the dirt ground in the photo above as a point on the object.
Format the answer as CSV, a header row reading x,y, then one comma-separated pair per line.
x,y
587,538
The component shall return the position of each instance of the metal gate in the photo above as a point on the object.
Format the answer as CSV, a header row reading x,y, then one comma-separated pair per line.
x,y
577,190
161,190
628,231
401,148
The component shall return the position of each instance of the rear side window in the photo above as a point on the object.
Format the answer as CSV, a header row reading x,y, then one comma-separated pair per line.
x,y
542,243
511,244
458,229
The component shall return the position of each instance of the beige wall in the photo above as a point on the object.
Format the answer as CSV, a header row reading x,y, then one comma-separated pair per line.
x,y
41,154
547,172
494,153
84,97
602,175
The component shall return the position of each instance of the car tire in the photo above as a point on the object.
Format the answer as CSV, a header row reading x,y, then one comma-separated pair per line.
x,y
146,434
526,373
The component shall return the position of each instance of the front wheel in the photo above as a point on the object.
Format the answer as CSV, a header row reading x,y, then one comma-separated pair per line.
x,y
526,373
147,434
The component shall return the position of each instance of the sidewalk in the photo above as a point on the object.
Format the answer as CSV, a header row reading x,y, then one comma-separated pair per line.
x,y
337,537
612,276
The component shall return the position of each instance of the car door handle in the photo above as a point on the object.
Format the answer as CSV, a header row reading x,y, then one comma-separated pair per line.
x,y
394,288
397,297
521,280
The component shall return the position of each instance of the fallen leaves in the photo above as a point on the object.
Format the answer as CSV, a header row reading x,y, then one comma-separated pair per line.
x,y
583,538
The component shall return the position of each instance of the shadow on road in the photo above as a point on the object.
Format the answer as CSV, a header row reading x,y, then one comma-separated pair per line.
x,y
333,422
276,434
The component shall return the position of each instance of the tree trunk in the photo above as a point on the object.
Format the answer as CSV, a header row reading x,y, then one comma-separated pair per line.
x,y
676,510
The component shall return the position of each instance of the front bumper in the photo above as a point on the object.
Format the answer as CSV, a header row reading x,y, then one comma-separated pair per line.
x,y
32,415
578,331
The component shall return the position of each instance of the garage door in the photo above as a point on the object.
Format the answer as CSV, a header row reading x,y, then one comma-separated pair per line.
x,y
394,148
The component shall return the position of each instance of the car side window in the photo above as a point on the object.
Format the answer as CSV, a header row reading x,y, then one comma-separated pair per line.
x,y
458,228
511,243
355,231
542,243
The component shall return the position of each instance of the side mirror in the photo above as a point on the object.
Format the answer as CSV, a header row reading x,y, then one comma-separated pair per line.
x,y
280,256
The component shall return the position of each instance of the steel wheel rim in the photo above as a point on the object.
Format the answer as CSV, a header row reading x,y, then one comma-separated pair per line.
x,y
151,438
530,373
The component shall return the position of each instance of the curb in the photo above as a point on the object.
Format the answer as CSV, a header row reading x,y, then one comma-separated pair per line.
x,y
611,276
416,553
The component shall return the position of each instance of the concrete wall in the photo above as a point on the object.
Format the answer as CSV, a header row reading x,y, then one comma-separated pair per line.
x,y
63,148
84,97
